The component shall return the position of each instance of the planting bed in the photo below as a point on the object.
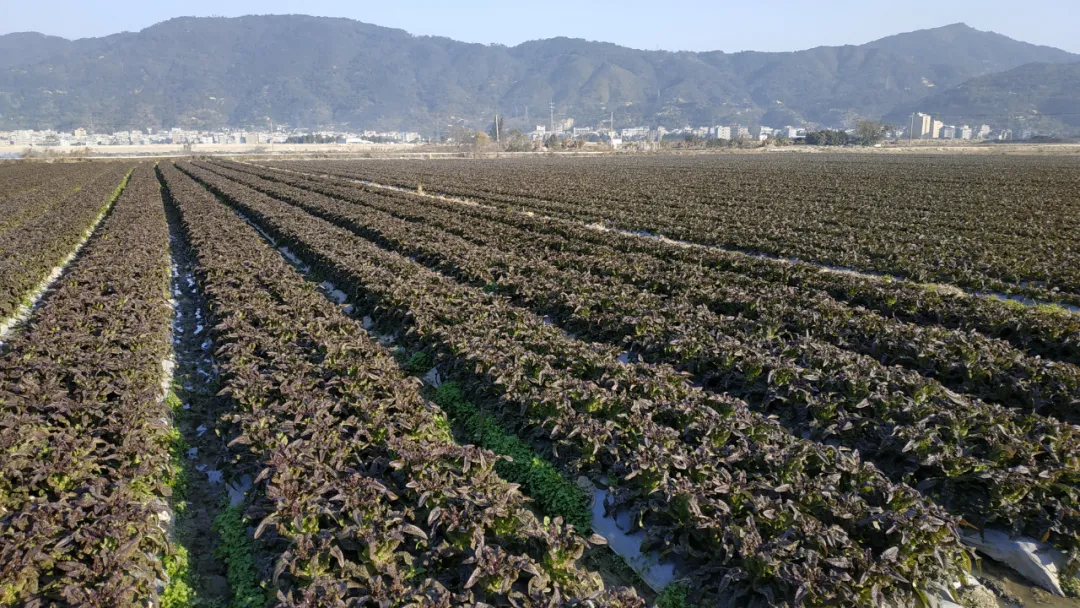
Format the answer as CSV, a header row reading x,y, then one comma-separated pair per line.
x,y
687,380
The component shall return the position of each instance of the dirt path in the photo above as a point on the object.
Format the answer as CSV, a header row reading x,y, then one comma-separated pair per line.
x,y
195,386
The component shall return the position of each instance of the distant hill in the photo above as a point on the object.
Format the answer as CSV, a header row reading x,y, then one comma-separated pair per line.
x,y
958,52
309,71
29,47
1039,96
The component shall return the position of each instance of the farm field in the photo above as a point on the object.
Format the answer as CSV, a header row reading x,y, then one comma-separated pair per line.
x,y
1008,225
463,382
44,214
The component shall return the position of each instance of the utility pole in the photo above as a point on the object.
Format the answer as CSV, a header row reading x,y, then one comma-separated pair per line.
x,y
911,130
551,106
496,127
526,117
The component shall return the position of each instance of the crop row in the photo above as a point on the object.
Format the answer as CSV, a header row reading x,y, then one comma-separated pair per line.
x,y
32,248
50,189
1041,331
990,464
950,220
19,180
988,368
84,431
747,510
370,499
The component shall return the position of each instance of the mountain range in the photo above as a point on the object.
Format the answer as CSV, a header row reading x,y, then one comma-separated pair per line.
x,y
327,72
1037,97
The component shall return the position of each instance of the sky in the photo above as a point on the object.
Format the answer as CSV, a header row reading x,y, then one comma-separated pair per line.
x,y
692,25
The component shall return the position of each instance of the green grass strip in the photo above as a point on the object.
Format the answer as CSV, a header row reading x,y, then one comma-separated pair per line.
x,y
237,551
179,592
553,493
674,596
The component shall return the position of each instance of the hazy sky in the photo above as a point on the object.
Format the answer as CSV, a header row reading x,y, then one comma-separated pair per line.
x,y
698,25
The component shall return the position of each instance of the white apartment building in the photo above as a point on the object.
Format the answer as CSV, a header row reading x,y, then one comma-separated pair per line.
x,y
921,125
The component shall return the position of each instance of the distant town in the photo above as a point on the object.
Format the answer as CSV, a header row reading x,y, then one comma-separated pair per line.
x,y
84,137
921,127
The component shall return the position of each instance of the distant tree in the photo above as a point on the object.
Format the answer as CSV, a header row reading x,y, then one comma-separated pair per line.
x,y
516,141
869,132
827,137
717,142
311,139
481,140
779,139
462,136
693,141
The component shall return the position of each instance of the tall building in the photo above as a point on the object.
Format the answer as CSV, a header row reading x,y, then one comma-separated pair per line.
x,y
740,132
948,132
921,126
965,132
984,131
935,129
722,132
